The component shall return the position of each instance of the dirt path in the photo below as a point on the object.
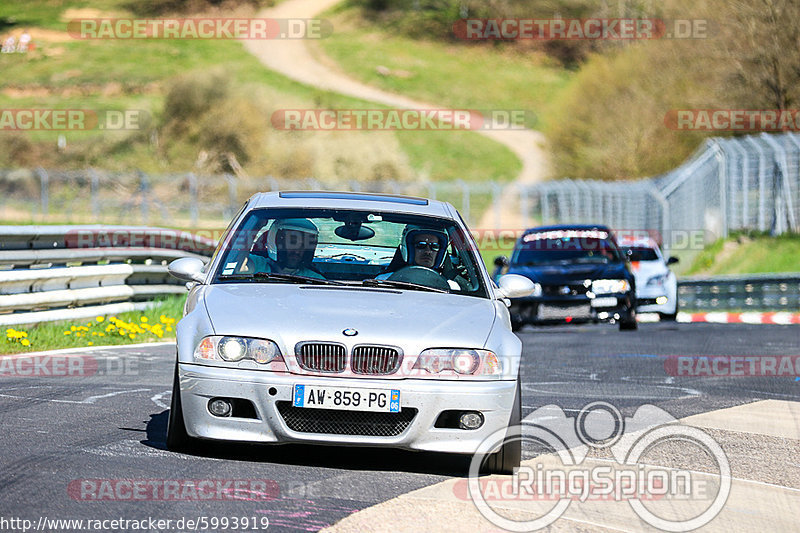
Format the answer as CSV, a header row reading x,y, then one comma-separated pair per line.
x,y
293,59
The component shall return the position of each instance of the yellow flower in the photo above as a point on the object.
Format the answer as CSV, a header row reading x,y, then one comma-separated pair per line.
x,y
169,328
99,318
91,343
143,319
132,336
26,342
23,334
101,334
67,333
74,328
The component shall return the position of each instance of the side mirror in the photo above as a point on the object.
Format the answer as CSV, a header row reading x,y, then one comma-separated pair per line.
x,y
515,286
187,269
501,261
672,260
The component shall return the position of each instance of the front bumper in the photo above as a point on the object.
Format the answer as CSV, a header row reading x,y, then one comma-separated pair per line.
x,y
199,383
646,301
532,310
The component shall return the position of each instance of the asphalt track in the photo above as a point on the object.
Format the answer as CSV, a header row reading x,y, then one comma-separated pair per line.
x,y
57,431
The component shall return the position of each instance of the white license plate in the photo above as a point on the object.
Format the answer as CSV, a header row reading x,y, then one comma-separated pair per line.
x,y
604,302
347,399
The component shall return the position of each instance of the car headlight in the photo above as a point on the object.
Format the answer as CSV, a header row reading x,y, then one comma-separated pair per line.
x,y
610,286
461,361
657,280
234,349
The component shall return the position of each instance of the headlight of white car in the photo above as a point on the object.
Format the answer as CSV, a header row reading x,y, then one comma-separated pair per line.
x,y
459,362
234,349
657,281
610,286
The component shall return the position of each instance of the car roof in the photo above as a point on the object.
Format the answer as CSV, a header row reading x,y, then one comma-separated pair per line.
x,y
352,200
558,227
639,242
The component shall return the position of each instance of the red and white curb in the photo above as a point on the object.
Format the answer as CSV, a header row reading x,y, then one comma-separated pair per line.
x,y
718,317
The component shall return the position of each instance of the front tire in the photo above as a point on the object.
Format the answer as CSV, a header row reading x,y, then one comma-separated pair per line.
x,y
509,456
670,317
178,440
629,323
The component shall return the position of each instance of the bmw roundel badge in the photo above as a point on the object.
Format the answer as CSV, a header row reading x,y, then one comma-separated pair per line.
x,y
350,332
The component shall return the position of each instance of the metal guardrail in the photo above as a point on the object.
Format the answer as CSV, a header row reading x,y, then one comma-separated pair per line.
x,y
762,292
67,272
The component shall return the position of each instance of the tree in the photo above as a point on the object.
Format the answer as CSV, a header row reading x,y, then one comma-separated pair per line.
x,y
763,42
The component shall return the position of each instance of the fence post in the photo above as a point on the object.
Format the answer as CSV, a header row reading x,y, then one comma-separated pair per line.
x,y
544,202
496,190
722,167
44,181
465,199
231,209
144,191
94,185
432,190
762,215
783,165
524,205
194,208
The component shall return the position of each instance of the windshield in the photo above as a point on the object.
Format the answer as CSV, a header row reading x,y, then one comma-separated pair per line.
x,y
642,253
565,246
348,247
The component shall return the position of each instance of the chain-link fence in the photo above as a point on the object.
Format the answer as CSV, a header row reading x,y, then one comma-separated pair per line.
x,y
744,183
187,200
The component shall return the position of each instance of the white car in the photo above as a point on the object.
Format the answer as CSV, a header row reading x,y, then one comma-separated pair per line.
x,y
656,284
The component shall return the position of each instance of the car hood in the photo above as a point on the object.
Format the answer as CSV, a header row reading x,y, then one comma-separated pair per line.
x,y
644,270
289,314
557,274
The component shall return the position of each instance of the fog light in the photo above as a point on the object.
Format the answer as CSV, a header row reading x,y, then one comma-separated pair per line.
x,y
661,300
219,407
470,420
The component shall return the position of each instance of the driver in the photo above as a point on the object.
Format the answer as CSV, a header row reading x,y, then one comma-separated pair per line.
x,y
290,246
422,247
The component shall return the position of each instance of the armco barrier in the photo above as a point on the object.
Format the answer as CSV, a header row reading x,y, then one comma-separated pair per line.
x,y
756,292
65,272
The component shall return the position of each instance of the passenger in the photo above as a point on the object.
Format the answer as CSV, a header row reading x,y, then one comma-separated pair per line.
x,y
287,247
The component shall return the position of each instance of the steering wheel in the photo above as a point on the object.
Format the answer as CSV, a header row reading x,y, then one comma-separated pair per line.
x,y
421,276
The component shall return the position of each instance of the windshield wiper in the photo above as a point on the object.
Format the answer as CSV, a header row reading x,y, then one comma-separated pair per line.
x,y
373,282
288,278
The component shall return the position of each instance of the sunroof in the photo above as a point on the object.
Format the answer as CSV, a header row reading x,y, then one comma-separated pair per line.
x,y
375,197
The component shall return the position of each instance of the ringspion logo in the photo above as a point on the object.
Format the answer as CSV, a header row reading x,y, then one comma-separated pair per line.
x,y
677,499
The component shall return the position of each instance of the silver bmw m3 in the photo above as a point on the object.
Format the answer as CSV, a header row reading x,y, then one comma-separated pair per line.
x,y
347,319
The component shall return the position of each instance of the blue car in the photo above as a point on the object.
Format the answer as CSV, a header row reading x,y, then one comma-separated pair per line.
x,y
580,275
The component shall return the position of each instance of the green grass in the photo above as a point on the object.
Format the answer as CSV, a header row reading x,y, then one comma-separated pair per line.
x,y
457,75
749,254
51,335
132,74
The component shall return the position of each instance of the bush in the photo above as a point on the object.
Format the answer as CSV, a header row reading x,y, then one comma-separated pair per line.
x,y
609,124
208,111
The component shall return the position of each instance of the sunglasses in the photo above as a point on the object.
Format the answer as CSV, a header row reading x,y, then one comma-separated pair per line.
x,y
434,245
